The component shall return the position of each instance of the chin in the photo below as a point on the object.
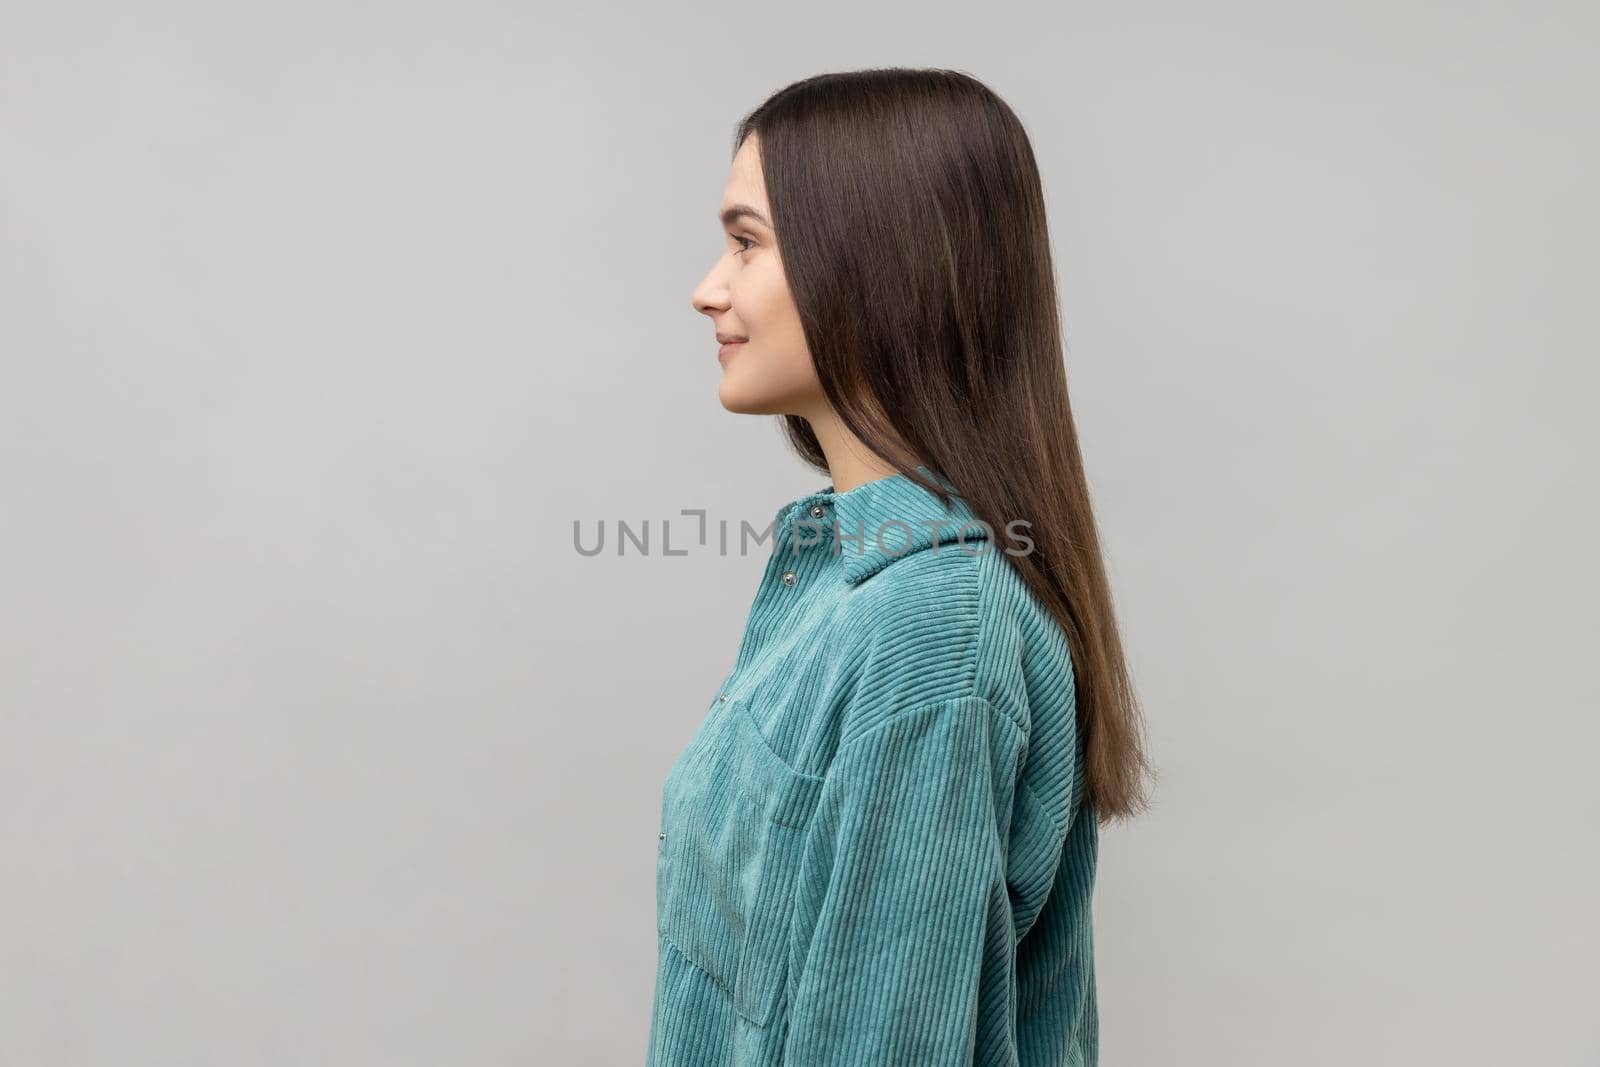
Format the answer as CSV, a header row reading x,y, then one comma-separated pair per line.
x,y
745,401
740,404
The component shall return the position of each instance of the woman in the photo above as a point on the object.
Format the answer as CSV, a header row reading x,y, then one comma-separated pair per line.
x,y
879,847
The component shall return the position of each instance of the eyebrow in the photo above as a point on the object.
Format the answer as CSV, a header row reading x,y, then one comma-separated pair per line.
x,y
737,211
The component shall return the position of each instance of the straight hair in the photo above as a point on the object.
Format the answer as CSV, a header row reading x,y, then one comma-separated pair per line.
x,y
911,222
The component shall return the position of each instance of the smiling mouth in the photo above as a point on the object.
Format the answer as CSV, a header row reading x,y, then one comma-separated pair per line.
x,y
728,348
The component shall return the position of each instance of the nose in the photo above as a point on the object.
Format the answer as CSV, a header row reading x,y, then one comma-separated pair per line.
x,y
711,295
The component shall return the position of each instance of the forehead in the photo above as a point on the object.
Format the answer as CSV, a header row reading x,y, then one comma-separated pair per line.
x,y
745,185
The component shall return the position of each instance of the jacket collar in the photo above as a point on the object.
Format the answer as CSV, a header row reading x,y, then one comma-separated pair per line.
x,y
884,520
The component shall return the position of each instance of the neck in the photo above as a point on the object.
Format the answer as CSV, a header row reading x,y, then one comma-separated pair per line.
x,y
850,463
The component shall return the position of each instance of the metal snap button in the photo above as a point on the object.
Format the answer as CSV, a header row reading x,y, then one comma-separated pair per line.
x,y
817,511
789,578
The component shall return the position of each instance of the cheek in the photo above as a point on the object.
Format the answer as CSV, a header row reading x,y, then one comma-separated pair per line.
x,y
764,302
781,352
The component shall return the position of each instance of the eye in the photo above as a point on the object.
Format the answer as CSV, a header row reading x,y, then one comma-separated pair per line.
x,y
745,243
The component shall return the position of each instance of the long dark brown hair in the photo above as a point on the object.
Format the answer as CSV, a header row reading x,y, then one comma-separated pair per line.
x,y
911,221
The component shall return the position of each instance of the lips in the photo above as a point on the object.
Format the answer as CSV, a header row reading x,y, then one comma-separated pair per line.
x,y
728,348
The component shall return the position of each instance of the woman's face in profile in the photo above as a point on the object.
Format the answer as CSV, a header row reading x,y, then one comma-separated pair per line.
x,y
766,366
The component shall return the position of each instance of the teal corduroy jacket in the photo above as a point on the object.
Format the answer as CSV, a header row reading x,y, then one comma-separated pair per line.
x,y
875,850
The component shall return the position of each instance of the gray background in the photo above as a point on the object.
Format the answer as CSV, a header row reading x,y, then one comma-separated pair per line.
x,y
322,323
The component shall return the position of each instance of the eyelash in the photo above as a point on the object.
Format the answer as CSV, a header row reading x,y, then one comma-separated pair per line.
x,y
748,244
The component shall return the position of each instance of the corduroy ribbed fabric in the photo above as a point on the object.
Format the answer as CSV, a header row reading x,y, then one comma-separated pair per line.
x,y
875,850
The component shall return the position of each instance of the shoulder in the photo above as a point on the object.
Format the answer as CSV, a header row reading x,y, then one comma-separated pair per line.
x,y
945,625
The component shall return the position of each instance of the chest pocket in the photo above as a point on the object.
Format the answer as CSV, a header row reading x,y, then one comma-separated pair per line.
x,y
733,817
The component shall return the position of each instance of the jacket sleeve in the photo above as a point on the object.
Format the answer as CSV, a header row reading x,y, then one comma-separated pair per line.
x,y
902,926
